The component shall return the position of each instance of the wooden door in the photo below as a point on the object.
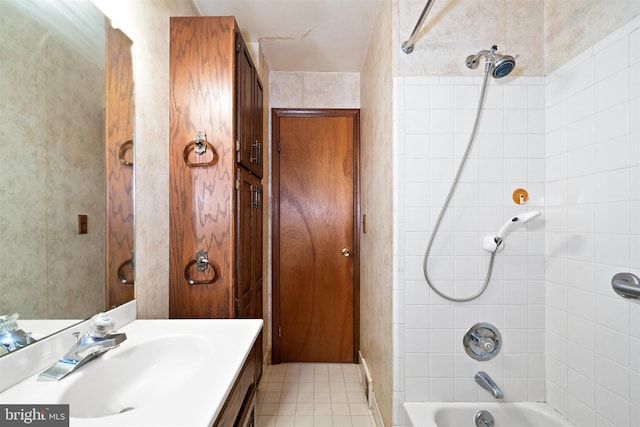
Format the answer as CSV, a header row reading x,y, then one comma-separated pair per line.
x,y
315,183
119,166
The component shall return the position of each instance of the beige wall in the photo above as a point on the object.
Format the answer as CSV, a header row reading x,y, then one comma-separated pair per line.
x,y
573,26
455,29
264,71
52,169
377,200
314,90
146,22
543,34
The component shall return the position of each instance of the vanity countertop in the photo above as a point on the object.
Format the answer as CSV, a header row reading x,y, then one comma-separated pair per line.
x,y
198,361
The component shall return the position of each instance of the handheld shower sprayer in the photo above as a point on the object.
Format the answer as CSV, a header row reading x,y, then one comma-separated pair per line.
x,y
497,65
493,243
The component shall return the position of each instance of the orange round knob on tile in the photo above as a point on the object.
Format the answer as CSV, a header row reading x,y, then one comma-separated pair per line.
x,y
520,196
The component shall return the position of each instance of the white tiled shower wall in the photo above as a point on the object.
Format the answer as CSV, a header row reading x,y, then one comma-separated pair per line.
x,y
572,140
593,232
433,120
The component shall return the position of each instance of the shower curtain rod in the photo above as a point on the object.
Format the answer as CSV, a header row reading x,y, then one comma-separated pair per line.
x,y
407,46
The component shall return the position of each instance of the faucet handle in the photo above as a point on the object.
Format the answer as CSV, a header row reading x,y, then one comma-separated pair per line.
x,y
101,326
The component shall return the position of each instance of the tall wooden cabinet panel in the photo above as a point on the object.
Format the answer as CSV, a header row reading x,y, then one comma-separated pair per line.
x,y
201,197
215,196
119,165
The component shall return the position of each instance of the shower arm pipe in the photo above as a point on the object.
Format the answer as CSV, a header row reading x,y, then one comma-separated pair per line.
x,y
407,46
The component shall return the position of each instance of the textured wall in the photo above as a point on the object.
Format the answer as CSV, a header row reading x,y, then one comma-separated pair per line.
x,y
264,71
455,29
146,22
377,200
314,90
52,150
573,26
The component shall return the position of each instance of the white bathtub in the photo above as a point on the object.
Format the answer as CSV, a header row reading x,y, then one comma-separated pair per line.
x,y
461,414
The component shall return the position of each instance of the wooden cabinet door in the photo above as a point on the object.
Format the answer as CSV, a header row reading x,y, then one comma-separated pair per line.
x,y
249,268
256,247
246,196
244,104
258,147
249,98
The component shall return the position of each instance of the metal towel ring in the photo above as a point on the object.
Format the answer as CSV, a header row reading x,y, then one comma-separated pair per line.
x,y
121,276
199,146
126,146
202,264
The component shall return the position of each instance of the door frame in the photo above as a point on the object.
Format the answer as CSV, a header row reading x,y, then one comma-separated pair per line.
x,y
276,114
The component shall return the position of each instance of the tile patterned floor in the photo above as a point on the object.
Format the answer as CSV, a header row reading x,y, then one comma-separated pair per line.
x,y
312,395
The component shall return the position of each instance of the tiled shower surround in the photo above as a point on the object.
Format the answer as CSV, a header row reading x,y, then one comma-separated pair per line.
x,y
593,232
433,120
572,140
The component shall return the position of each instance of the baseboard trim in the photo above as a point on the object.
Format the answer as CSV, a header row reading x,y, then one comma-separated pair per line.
x,y
366,382
375,409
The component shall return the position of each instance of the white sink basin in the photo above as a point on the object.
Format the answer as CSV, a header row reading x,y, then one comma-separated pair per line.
x,y
137,376
167,373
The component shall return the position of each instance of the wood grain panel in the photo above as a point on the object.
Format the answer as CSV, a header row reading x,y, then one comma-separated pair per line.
x,y
316,200
200,201
244,104
245,290
119,130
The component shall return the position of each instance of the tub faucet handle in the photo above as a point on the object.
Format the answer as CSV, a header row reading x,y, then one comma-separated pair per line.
x,y
485,343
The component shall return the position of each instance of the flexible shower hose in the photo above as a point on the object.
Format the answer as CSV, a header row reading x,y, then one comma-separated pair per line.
x,y
446,205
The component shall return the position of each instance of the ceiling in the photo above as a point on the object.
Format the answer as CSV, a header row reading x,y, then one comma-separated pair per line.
x,y
303,35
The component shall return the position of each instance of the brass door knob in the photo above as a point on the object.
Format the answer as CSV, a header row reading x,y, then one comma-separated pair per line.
x,y
346,252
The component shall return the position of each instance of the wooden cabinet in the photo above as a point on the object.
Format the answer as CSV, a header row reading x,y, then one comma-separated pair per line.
x,y
239,407
215,202
250,274
249,110
249,227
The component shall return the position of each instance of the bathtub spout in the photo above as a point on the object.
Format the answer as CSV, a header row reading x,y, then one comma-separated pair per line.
x,y
485,381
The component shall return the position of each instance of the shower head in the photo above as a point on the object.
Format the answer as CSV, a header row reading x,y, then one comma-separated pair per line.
x,y
497,64
502,65
516,220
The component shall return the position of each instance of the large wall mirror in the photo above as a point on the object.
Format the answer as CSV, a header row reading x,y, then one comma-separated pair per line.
x,y
66,162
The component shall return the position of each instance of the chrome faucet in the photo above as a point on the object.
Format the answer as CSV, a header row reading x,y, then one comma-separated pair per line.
x,y
94,343
485,381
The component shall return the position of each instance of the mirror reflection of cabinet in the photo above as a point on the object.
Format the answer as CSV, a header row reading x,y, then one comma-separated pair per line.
x,y
53,161
119,168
